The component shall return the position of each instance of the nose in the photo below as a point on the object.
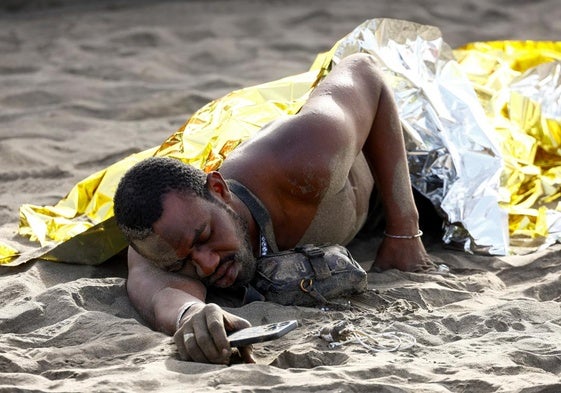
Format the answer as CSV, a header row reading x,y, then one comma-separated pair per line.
x,y
205,260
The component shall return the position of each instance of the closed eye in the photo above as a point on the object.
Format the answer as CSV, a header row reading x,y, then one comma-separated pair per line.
x,y
176,266
203,236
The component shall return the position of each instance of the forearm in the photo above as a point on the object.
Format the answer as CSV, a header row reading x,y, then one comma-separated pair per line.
x,y
359,105
158,295
168,304
385,148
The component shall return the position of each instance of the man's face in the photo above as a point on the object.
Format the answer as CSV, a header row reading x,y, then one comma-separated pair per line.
x,y
202,239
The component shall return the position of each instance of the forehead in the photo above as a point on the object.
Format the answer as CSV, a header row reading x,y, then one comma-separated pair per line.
x,y
179,211
182,214
174,199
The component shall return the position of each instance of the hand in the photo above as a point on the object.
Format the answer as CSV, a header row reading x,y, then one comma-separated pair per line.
x,y
202,335
404,254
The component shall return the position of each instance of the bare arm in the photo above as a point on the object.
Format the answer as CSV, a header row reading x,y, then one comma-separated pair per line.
x,y
159,295
351,111
358,109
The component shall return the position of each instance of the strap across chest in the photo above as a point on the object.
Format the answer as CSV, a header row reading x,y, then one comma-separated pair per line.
x,y
259,213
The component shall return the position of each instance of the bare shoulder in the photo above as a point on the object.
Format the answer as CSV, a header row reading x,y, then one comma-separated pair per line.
x,y
300,155
351,89
278,157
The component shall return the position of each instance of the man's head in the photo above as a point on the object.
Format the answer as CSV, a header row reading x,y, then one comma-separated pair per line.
x,y
139,196
179,218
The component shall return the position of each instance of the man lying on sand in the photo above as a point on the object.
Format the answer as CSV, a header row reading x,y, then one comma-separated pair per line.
x,y
313,172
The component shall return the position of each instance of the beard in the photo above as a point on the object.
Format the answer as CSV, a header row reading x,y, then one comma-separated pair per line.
x,y
244,256
247,264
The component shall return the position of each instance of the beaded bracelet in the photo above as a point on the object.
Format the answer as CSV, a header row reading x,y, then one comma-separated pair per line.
x,y
419,234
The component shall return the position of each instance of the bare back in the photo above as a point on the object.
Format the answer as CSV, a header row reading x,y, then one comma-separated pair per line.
x,y
309,169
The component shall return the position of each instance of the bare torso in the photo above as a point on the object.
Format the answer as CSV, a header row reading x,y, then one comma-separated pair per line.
x,y
342,213
316,207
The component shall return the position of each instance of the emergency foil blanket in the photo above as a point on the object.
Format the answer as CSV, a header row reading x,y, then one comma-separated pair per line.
x,y
482,130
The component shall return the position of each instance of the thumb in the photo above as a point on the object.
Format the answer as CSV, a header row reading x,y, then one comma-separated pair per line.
x,y
233,323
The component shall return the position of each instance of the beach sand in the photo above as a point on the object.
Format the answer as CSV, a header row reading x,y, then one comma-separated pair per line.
x,y
84,84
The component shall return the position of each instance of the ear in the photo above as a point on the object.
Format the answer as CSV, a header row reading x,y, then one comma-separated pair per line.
x,y
218,187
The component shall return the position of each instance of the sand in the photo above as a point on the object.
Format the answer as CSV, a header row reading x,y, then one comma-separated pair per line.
x,y
84,84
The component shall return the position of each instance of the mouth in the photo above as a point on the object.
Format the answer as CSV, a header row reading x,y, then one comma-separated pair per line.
x,y
225,275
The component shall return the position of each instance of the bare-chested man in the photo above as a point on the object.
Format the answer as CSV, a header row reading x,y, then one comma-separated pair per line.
x,y
314,172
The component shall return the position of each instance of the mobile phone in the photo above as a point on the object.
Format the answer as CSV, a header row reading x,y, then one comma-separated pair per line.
x,y
257,334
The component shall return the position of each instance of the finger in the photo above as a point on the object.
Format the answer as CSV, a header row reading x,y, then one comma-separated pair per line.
x,y
217,332
204,337
194,351
188,347
178,337
246,354
233,322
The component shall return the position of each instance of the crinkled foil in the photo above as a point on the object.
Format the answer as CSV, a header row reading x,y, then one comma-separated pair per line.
x,y
519,86
81,228
453,159
457,144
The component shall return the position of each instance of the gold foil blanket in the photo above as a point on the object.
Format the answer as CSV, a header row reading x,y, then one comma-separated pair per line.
x,y
519,86
482,128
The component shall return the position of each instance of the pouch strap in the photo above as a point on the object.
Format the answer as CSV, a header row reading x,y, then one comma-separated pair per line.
x,y
308,287
258,211
316,255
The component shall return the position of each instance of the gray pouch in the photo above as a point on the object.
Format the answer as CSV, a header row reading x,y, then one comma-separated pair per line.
x,y
309,275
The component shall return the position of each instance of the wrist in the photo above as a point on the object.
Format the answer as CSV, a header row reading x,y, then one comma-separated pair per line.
x,y
183,312
407,226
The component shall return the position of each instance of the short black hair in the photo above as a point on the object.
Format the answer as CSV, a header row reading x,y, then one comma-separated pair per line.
x,y
138,199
